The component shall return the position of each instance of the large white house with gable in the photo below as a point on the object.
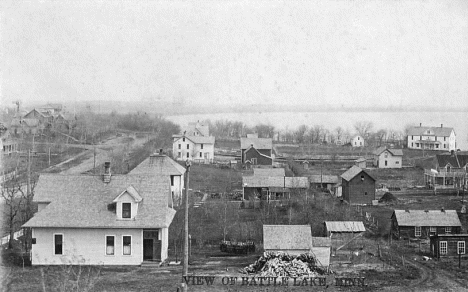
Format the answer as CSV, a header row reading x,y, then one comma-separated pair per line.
x,y
432,138
194,144
101,219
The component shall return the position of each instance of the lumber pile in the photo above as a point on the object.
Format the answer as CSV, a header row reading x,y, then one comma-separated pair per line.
x,y
280,264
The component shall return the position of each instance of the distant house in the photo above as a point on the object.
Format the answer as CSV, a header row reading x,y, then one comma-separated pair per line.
x,y
451,171
106,219
388,158
318,181
357,141
358,187
423,223
273,187
194,144
9,144
162,165
341,232
449,245
432,138
361,162
193,148
257,151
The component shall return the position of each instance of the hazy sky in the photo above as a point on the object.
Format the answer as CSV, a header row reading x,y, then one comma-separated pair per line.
x,y
316,52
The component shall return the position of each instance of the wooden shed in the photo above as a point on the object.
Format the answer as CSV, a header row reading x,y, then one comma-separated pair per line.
x,y
358,186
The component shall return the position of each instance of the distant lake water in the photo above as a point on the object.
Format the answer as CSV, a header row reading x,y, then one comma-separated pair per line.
x,y
330,120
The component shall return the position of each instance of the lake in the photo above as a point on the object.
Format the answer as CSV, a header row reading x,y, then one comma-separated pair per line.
x,y
345,119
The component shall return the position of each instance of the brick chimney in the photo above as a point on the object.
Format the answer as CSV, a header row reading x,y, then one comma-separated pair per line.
x,y
107,173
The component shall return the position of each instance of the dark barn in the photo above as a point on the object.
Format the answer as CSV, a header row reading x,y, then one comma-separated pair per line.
x,y
358,186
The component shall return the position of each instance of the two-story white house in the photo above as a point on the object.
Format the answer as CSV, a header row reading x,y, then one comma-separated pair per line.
x,y
357,141
388,158
194,144
101,219
432,138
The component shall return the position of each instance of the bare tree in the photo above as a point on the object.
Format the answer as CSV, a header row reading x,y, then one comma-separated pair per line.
x,y
380,135
363,128
301,133
11,193
339,133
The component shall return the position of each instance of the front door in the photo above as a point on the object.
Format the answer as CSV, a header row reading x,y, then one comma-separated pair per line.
x,y
151,245
147,249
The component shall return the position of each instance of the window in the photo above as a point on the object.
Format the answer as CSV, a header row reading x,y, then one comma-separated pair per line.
x,y
180,146
183,139
180,154
127,244
411,144
201,155
397,162
254,160
443,247
412,137
433,230
437,145
448,230
417,144
201,146
365,193
386,155
417,231
188,155
362,178
445,145
386,162
58,243
110,245
188,146
445,139
126,210
461,247
172,180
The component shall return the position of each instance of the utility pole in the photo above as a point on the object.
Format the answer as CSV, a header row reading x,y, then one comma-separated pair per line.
x,y
94,168
186,225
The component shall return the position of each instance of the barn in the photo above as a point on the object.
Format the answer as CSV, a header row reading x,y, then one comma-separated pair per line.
x,y
358,187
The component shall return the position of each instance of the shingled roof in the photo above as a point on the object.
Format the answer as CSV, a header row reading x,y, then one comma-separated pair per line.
x,y
258,143
275,181
352,172
434,131
287,237
196,139
269,172
394,152
427,218
455,159
81,201
158,165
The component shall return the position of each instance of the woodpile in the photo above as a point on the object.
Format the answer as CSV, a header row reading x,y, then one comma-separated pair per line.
x,y
283,265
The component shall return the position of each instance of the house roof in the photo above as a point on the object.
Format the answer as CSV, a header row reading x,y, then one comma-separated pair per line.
x,y
275,181
426,218
81,201
352,172
269,172
158,165
345,226
132,192
328,179
258,143
204,130
31,122
287,237
196,139
394,152
457,159
435,131
259,153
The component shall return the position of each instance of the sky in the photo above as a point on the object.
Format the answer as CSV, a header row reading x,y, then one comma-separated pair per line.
x,y
338,52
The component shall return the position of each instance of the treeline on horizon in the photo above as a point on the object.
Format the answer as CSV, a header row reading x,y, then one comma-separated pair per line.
x,y
312,134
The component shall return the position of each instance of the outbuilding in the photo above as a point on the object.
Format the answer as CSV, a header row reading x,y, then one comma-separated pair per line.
x,y
358,186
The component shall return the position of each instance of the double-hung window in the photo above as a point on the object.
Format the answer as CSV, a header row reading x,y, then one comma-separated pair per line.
x,y
433,230
127,244
448,230
417,231
461,247
443,247
110,245
58,243
126,210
